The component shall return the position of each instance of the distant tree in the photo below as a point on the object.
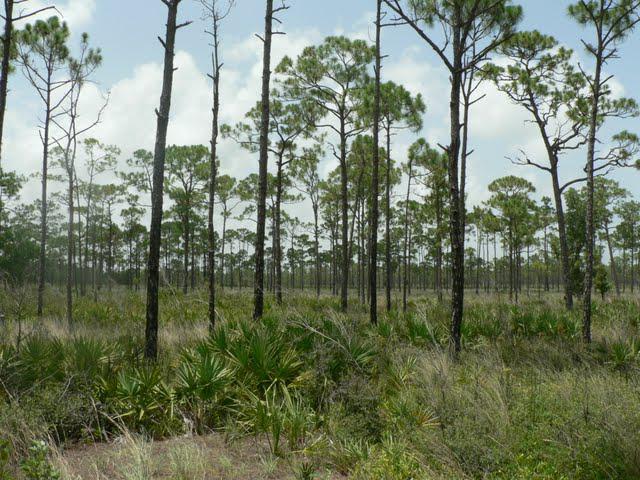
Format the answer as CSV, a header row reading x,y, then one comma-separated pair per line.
x,y
330,76
512,205
139,174
307,180
420,155
399,110
432,175
601,281
187,176
628,231
287,124
99,158
609,198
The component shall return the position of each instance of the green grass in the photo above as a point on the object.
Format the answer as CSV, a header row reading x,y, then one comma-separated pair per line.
x,y
328,394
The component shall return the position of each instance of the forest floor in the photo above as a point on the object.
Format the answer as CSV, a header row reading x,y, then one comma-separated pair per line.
x,y
202,457
310,393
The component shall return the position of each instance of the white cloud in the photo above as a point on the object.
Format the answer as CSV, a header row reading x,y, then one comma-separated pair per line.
x,y
77,13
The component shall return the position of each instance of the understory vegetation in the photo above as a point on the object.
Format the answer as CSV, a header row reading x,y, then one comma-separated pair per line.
x,y
323,395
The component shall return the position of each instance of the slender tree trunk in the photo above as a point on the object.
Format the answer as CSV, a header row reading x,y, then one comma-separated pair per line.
x,y
562,234
478,259
43,207
316,246
405,256
4,77
185,258
155,230
387,226
590,226
70,246
277,250
455,214
258,287
344,204
213,173
223,241
375,180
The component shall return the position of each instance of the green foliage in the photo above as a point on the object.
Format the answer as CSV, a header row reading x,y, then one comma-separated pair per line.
x,y
278,414
601,280
5,457
140,399
37,466
201,380
391,460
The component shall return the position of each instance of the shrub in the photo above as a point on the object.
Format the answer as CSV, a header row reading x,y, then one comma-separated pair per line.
x,y
37,466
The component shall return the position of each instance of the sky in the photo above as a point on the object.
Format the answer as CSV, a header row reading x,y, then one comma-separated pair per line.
x,y
127,31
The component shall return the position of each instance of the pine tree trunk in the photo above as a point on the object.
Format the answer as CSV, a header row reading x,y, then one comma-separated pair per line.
x,y
564,246
258,287
387,227
375,181
316,247
213,173
344,209
4,77
43,207
590,226
405,256
70,246
277,250
455,214
155,230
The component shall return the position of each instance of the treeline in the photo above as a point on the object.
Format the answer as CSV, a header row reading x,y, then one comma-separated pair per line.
x,y
513,241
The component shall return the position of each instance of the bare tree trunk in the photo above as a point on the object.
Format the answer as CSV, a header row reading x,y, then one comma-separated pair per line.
x,y
455,214
43,206
4,69
277,244
590,226
344,186
562,234
155,230
375,181
213,173
316,247
185,257
70,247
258,287
387,227
4,76
405,256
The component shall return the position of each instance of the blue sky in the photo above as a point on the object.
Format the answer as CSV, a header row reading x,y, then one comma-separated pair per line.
x,y
126,30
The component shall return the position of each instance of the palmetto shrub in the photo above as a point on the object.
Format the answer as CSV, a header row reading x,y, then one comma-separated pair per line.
x,y
201,384
261,357
139,399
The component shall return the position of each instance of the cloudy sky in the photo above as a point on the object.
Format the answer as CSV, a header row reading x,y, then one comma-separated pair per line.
x,y
127,31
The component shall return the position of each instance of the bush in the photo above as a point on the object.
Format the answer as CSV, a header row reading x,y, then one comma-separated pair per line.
x,y
37,466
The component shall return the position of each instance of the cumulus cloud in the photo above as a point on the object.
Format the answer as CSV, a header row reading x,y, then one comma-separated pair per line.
x,y
77,13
